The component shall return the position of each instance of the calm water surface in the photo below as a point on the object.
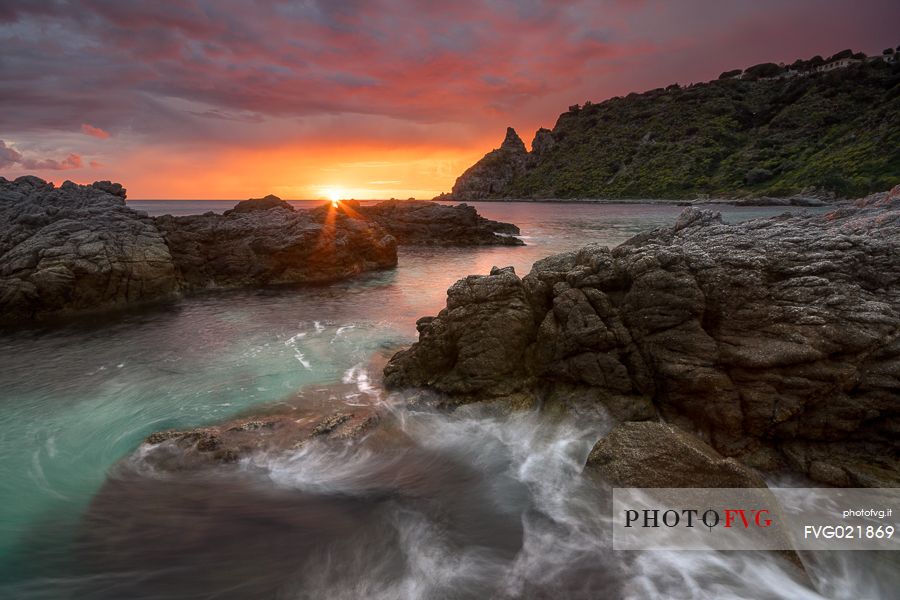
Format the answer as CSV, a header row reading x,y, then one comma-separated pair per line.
x,y
483,506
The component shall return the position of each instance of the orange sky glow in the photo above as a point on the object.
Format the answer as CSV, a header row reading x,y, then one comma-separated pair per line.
x,y
360,171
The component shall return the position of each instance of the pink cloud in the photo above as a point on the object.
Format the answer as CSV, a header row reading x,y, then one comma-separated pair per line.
x,y
72,161
11,158
94,131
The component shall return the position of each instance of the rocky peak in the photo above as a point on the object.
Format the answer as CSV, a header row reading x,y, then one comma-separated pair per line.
x,y
512,142
491,176
543,141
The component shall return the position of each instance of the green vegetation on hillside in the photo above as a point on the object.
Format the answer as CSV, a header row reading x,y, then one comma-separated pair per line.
x,y
835,131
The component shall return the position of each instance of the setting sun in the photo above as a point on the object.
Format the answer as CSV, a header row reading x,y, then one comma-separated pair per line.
x,y
334,194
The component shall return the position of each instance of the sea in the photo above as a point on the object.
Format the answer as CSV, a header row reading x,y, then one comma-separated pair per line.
x,y
471,504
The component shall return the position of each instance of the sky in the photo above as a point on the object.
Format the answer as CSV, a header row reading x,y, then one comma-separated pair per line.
x,y
229,99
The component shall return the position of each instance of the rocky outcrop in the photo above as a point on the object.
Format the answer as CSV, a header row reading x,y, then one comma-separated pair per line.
x,y
74,249
266,242
492,176
542,143
79,248
423,223
777,340
204,447
656,455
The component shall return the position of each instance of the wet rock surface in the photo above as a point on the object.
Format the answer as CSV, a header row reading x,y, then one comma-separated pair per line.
x,y
778,340
203,447
655,455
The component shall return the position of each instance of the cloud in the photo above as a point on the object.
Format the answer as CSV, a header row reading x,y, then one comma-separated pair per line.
x,y
72,161
94,131
10,157
169,70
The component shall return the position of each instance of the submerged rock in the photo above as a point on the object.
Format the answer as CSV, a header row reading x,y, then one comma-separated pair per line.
x,y
777,339
202,447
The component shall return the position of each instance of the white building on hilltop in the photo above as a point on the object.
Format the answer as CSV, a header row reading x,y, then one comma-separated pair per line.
x,y
840,63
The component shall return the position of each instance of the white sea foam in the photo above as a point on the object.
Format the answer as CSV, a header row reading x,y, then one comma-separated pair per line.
x,y
524,469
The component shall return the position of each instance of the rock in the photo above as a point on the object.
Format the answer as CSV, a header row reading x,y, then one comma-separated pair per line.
x,y
205,447
656,455
254,204
474,346
543,142
266,242
109,187
492,176
76,248
423,223
777,339
79,249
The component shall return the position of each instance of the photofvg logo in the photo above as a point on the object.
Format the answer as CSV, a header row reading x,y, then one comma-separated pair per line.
x,y
755,519
689,517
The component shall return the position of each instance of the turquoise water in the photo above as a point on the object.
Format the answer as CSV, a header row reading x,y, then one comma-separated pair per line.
x,y
76,400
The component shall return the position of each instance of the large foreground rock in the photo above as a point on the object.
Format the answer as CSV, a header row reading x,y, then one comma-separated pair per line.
x,y
777,339
76,248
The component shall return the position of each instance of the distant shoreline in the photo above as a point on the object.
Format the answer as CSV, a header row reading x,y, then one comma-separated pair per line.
x,y
649,201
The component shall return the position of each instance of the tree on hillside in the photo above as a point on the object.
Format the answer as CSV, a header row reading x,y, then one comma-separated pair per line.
x,y
763,70
848,53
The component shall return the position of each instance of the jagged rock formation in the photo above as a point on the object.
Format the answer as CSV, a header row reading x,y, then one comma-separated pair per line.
x,y
266,242
493,175
777,340
802,132
76,248
79,248
423,223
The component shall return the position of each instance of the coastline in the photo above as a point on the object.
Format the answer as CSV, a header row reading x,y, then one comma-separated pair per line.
x,y
752,201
